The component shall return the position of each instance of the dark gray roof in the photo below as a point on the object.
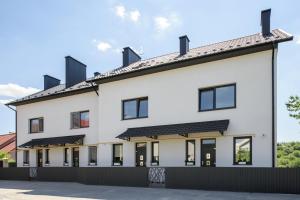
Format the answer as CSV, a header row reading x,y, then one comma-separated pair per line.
x,y
74,139
174,129
276,36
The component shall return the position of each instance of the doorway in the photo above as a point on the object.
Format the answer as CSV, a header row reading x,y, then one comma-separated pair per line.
x,y
140,154
208,152
75,157
40,157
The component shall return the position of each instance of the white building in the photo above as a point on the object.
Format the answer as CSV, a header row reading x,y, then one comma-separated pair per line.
x,y
208,106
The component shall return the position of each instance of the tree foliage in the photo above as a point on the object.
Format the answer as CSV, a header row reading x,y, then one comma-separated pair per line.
x,y
288,154
293,106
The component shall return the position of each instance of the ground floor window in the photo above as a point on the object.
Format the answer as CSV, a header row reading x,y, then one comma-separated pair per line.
x,y
117,154
26,157
154,153
66,156
242,153
92,155
47,156
190,152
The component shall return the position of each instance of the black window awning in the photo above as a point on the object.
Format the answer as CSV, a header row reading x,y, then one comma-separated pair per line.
x,y
176,129
56,141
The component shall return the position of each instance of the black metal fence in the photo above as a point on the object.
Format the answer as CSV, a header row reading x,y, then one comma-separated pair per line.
x,y
272,180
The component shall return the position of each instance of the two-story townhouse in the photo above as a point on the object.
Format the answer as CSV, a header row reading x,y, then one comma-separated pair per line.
x,y
208,106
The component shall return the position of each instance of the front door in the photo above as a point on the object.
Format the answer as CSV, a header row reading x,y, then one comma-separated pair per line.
x,y
208,152
140,154
75,157
40,158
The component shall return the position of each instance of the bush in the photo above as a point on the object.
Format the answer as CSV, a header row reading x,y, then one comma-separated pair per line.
x,y
288,154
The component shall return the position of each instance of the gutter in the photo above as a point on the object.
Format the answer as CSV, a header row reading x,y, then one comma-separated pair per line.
x,y
273,106
16,118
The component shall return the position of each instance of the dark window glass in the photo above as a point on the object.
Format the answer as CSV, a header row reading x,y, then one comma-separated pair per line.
x,y
190,152
154,153
47,156
80,119
207,100
66,155
117,154
93,155
26,157
136,108
225,97
243,151
36,125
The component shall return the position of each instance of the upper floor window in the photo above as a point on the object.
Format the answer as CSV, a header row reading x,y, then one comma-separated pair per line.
x,y
26,157
92,155
117,154
36,125
190,152
242,150
221,97
80,119
135,108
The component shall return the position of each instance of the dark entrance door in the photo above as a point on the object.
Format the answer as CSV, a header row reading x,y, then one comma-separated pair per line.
x,y
140,154
75,157
40,158
208,152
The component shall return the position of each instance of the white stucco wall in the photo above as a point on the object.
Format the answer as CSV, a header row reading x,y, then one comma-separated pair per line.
x,y
173,98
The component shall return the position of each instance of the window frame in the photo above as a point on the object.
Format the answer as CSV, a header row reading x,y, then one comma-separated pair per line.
x,y
138,100
80,112
234,150
186,153
47,160
114,163
153,162
214,97
39,119
66,156
26,163
89,156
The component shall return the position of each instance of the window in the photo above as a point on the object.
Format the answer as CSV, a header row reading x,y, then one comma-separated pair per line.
x,y
66,156
92,155
242,150
190,152
154,153
47,156
80,119
26,157
117,154
36,125
135,108
221,97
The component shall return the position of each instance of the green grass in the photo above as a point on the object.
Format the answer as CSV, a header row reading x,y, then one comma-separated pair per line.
x,y
288,154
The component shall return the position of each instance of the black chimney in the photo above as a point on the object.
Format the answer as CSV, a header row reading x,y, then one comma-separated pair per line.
x,y
265,22
75,71
183,44
129,56
96,73
50,82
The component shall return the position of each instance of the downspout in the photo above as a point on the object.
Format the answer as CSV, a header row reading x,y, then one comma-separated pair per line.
x,y
273,105
16,117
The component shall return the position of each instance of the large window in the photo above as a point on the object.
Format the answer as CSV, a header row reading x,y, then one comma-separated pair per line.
x,y
92,155
190,152
220,97
242,150
80,119
135,108
36,125
154,153
26,157
47,156
66,156
117,154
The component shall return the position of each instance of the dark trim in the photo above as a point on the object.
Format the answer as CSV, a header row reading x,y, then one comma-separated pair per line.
x,y
113,155
193,61
273,106
242,137
214,97
186,153
37,118
152,152
138,100
66,157
47,160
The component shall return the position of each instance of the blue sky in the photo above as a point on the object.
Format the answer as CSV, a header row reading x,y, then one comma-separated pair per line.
x,y
35,36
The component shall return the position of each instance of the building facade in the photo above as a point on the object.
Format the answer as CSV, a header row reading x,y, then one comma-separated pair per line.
x,y
211,106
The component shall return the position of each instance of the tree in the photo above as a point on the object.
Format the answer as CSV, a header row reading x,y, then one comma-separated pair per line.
x,y
293,106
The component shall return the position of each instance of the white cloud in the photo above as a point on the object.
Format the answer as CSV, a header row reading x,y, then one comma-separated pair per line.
x,y
16,91
120,11
298,40
103,46
161,23
5,101
135,15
